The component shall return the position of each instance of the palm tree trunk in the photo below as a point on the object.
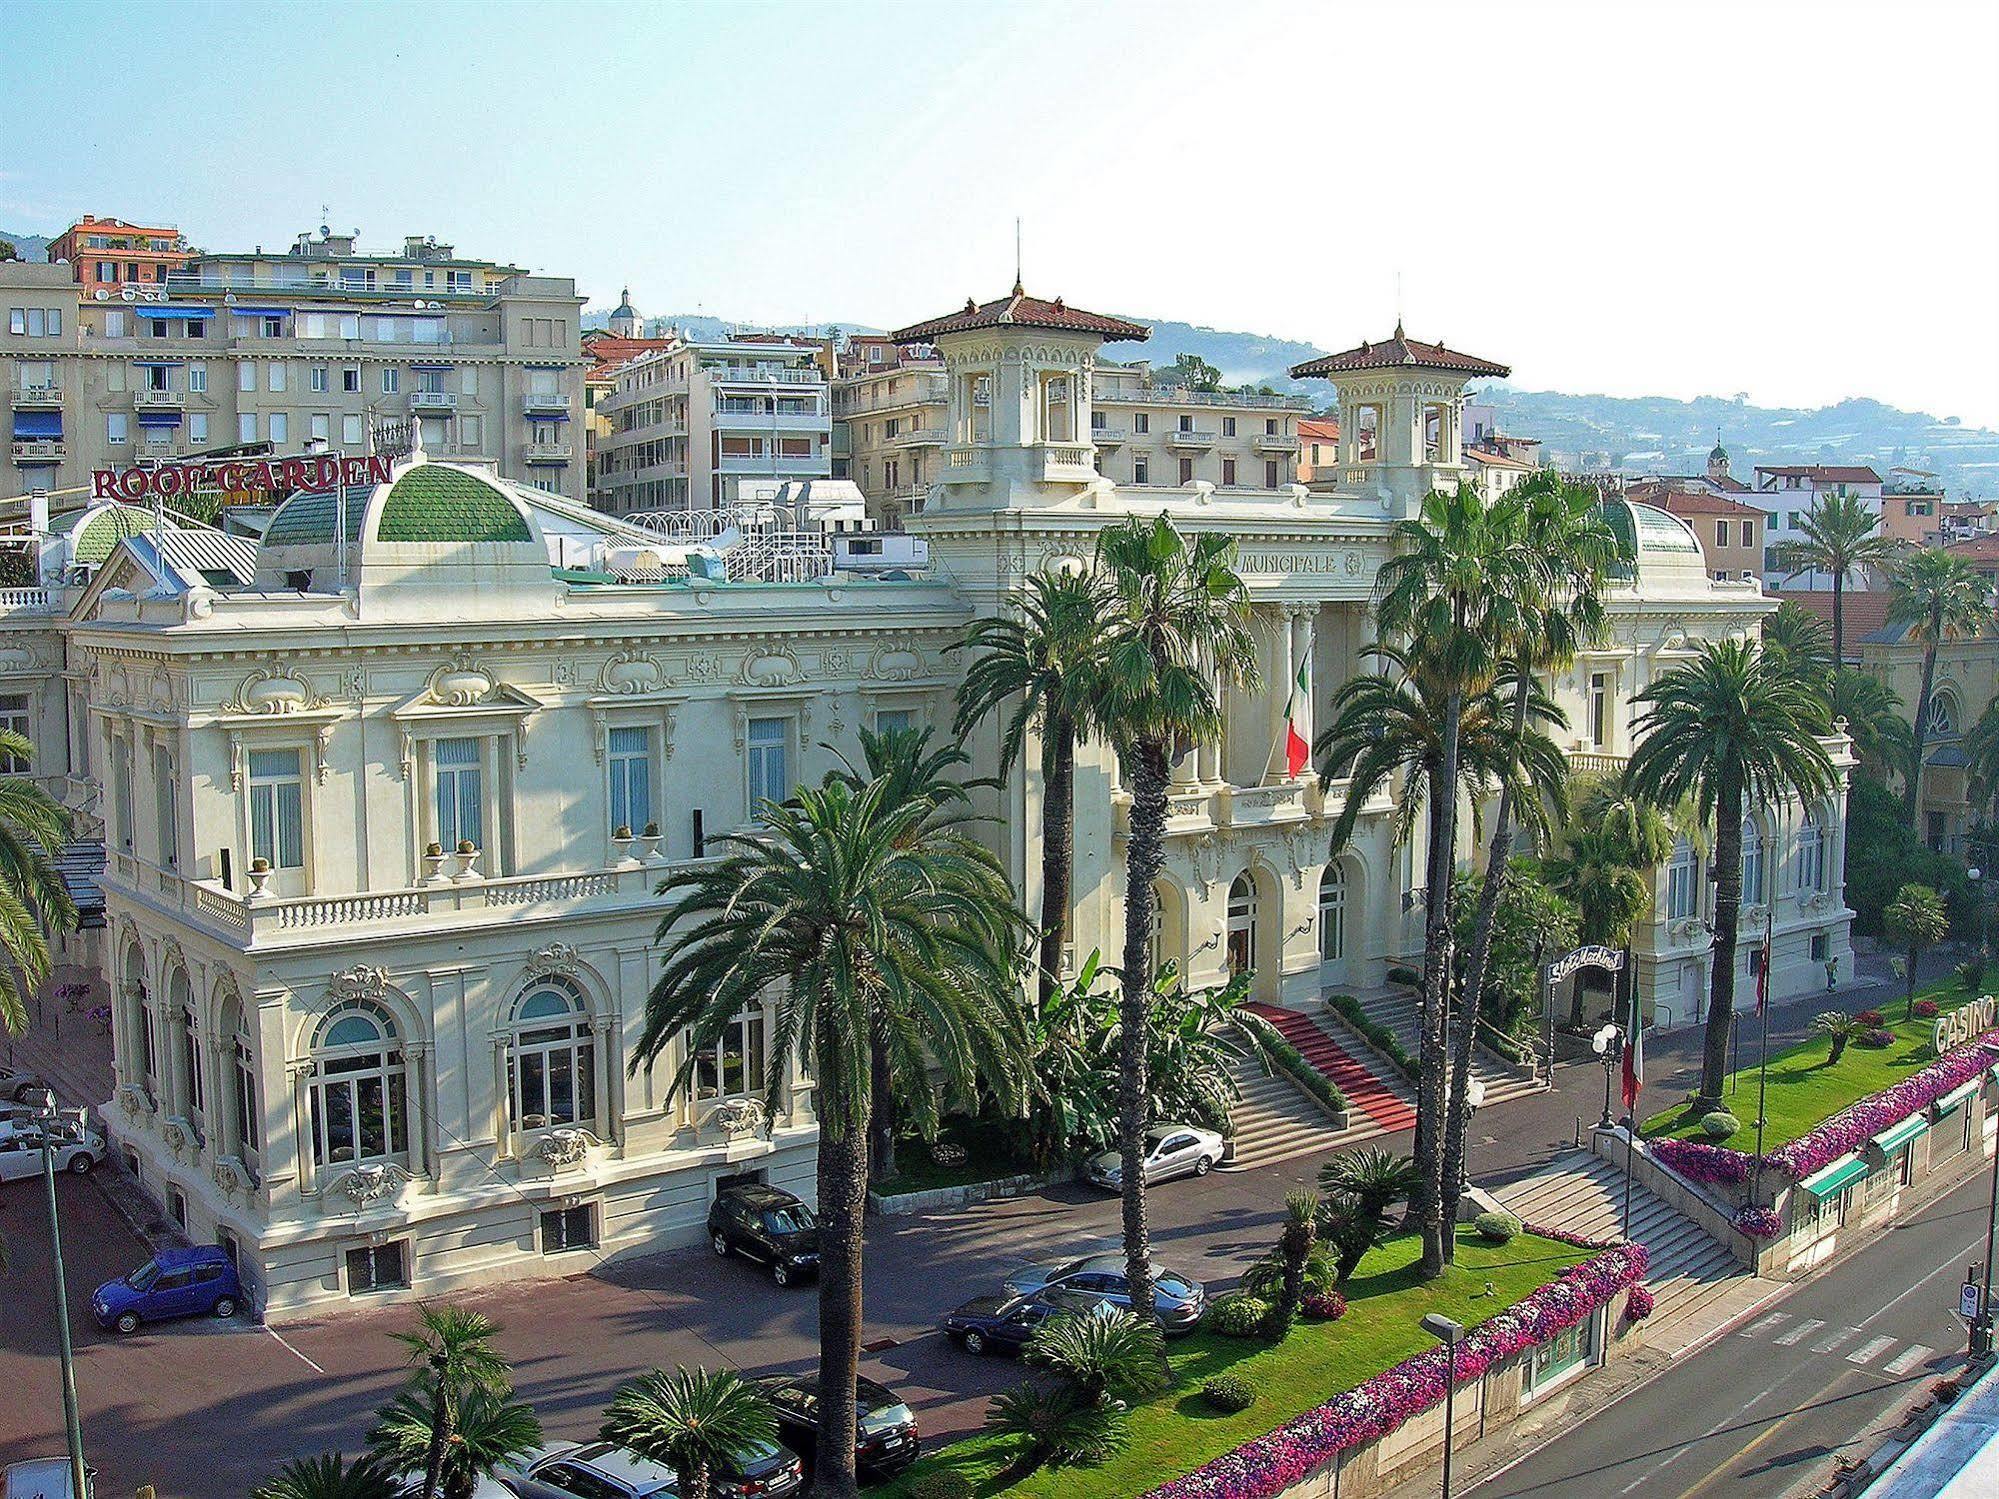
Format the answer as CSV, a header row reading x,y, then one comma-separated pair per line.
x,y
1058,838
1727,913
883,1116
1838,622
1458,1111
695,1480
440,1439
1144,848
1912,793
1438,1240
843,1176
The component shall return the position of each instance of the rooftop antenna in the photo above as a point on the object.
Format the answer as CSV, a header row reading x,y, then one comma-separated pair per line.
x,y
1016,256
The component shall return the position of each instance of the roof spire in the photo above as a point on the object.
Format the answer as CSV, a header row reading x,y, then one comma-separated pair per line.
x,y
1018,289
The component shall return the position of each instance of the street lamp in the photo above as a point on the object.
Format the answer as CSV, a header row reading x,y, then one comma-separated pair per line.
x,y
79,1483
1474,1096
1606,1044
1447,1332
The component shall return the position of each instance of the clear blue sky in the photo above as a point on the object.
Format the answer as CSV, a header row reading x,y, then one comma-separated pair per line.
x,y
1797,201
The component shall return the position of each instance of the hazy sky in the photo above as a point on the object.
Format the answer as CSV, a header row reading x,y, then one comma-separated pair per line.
x,y
1796,201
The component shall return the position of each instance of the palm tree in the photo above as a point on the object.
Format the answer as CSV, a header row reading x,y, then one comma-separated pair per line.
x,y
34,902
1915,921
1104,1356
1045,664
1055,1428
451,1354
696,1422
1797,640
1360,1186
1838,1028
329,1476
1722,731
1570,550
1840,536
1643,831
866,918
1178,634
1981,748
490,1430
1609,890
1294,1246
1938,597
1873,713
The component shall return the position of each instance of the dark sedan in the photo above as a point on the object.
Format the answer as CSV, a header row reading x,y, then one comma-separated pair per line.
x,y
886,1442
1178,1300
1003,1324
768,1225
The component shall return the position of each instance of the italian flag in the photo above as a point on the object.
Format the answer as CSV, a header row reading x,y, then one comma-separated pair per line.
x,y
1634,1056
1296,751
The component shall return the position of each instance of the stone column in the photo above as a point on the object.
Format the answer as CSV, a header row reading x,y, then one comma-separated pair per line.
x,y
290,1143
503,1099
418,1077
603,1036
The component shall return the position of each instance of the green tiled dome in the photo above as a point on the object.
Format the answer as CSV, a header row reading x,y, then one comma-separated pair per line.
x,y
432,503
100,529
308,519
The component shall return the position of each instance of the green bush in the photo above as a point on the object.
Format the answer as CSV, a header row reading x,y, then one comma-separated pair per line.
x,y
1380,1037
1496,1228
1228,1394
1720,1124
942,1483
1286,1058
1882,856
1403,975
1238,1315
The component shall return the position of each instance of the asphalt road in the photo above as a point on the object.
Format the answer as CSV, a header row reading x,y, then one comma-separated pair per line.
x,y
1775,1404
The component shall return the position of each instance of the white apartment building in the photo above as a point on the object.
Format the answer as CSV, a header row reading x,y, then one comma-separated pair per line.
x,y
1787,493
384,807
701,425
284,351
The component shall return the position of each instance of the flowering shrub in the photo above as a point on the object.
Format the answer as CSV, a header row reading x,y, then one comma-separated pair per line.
x,y
1270,1464
1868,1017
1325,1306
1860,1122
1637,1304
1877,1037
1702,1163
1924,1009
1237,1315
1758,1223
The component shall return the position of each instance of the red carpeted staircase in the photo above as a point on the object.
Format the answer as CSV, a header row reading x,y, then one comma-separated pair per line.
x,y
1364,1091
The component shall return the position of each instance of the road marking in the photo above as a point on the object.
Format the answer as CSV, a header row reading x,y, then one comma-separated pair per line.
x,y
294,1352
1799,1333
1869,1351
1905,1361
1766,1324
1832,1340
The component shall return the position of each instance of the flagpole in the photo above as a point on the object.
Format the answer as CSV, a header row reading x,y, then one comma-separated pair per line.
x,y
1763,1062
1631,1107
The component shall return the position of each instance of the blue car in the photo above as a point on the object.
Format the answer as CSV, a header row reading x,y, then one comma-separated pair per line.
x,y
198,1282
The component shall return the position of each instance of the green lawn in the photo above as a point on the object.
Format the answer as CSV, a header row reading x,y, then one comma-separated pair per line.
x,y
1805,1091
1174,1432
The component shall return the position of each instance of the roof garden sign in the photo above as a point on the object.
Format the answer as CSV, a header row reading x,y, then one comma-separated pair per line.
x,y
1966,1023
168,480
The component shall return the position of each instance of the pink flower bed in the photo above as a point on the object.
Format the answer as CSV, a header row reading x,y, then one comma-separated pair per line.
x,y
1272,1463
1702,1163
1856,1124
1638,1304
1758,1223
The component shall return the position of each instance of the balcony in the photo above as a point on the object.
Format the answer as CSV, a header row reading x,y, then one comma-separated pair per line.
x,y
1068,465
158,400
722,374
545,452
1275,442
38,450
735,419
433,400
1252,806
1596,763
43,395
1109,437
544,401
919,437
765,466
1190,437
27,600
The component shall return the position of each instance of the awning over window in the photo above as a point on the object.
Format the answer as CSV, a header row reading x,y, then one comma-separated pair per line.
x,y
159,418
37,424
171,310
1956,1097
149,364
550,416
1895,1137
1833,1179
241,311
416,366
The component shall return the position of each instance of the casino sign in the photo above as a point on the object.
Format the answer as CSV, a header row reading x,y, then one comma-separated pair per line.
x,y
271,475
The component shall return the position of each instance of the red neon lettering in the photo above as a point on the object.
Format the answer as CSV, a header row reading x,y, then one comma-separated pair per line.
x,y
325,473
171,480
132,484
104,484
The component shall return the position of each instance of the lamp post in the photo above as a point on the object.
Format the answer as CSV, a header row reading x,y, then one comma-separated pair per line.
x,y
79,1484
1474,1096
1981,1328
1447,1332
1605,1043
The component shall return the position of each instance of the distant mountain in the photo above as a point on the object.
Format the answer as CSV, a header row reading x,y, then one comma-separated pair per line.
x,y
30,246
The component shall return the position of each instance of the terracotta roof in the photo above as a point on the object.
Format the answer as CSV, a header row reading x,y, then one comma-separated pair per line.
x,y
1697,502
1400,350
1311,429
610,351
1976,549
1019,310
1820,473
1866,610
1495,460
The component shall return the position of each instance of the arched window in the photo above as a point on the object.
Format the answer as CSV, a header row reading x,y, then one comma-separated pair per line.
x,y
360,1107
1333,913
1943,714
180,999
139,1020
1682,882
551,1062
734,1067
248,1133
1753,875
1811,855
1242,924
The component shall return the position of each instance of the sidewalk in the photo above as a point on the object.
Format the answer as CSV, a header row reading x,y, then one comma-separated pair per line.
x,y
64,1043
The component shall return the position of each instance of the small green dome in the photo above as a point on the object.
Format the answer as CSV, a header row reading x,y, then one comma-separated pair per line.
x,y
97,530
307,519
1719,455
433,503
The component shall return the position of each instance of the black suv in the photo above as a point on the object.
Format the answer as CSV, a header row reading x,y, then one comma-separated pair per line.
x,y
769,1225
886,1442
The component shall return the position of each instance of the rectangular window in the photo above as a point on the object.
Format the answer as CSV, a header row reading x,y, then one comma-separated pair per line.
x,y
165,818
392,381
469,432
320,378
1749,533
277,808
376,1267
350,431
1228,426
1721,533
114,323
322,426
1228,472
14,719
280,426
769,777
274,327
350,380
894,720
1186,471
246,375
468,381
197,427
114,427
568,1228
121,791
1141,471
350,325
246,426
1141,421
315,325
631,779
460,797
197,378
1599,708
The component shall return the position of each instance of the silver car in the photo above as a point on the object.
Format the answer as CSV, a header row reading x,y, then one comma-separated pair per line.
x,y
1170,1150
78,1148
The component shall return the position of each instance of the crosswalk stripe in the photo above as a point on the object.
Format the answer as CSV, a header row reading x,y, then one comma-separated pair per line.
x,y
1833,1339
1869,1351
1799,1333
1906,1360
1766,1324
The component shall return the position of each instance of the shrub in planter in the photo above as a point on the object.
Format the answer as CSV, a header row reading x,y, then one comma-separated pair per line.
x,y
1925,1009
1868,1017
1637,1304
1720,1124
1237,1315
1877,1037
1402,975
1758,1222
1328,1306
945,1483
1496,1228
1228,1394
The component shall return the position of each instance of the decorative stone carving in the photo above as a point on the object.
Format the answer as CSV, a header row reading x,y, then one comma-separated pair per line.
x,y
738,1118
460,683
835,661
134,1100
895,664
232,1176
358,982
706,667
556,958
561,1148
365,1185
630,672
770,666
272,691
177,1133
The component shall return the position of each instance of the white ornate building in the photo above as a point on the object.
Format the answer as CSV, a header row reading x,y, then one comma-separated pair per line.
x,y
385,801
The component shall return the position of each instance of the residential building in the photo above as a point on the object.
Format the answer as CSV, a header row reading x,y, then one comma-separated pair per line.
x,y
694,423
888,425
1730,532
1318,442
1494,471
311,349
107,253
1913,508
1787,493
607,349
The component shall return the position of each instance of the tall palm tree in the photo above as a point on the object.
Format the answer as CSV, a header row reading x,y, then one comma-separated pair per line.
x,y
1841,535
34,902
490,1431
865,917
1178,635
1045,664
1722,731
1797,640
1981,748
694,1421
1939,597
451,1354
1560,531
329,1476
1874,717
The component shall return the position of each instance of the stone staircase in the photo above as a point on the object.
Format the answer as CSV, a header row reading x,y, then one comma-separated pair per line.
x,y
1373,1098
1695,1283
1401,1011
1276,1122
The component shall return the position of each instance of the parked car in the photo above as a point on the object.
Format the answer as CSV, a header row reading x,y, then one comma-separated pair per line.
x,y
1003,1324
41,1478
1178,1299
768,1225
483,1488
193,1282
78,1148
17,1082
886,1443
601,1470
1170,1150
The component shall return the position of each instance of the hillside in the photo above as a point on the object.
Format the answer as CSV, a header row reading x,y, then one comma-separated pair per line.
x,y
30,246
